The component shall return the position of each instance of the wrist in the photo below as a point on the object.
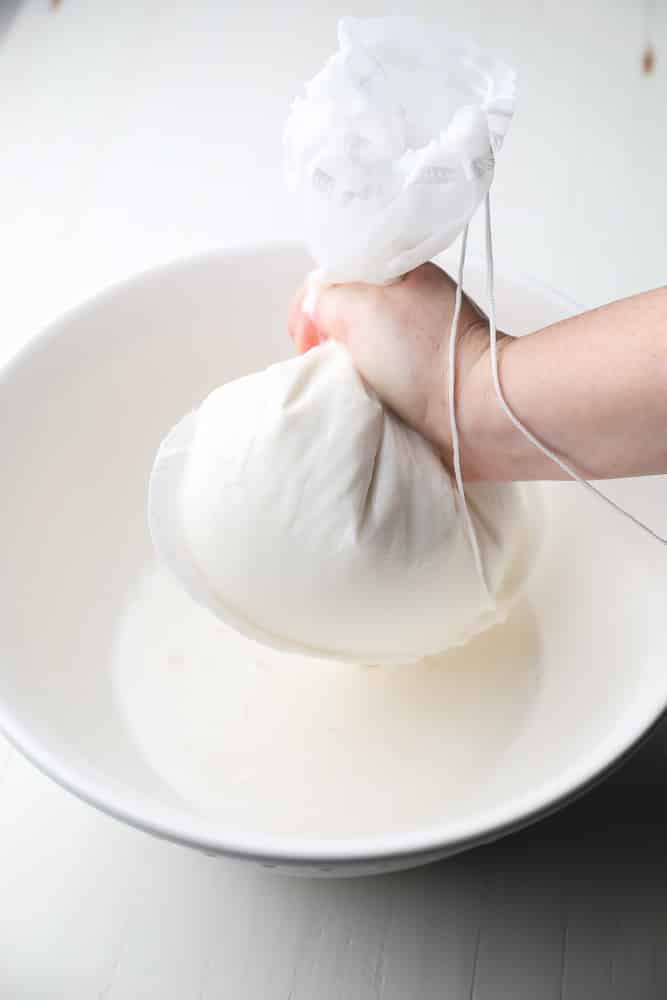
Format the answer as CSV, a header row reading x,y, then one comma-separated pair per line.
x,y
484,432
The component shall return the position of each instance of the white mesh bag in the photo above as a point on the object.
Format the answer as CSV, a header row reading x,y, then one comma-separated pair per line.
x,y
305,514
393,147
292,503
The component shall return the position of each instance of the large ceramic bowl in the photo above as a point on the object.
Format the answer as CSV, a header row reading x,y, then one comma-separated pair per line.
x,y
84,407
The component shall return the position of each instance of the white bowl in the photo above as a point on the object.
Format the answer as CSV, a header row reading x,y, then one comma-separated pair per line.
x,y
84,407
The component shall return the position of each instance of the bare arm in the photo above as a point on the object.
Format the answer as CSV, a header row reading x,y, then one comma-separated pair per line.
x,y
593,388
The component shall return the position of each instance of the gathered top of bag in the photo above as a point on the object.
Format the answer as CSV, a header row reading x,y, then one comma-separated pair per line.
x,y
393,147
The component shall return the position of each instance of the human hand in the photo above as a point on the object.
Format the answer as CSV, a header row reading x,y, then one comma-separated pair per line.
x,y
398,338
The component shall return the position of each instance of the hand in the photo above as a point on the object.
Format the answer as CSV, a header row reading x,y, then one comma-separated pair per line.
x,y
398,337
592,387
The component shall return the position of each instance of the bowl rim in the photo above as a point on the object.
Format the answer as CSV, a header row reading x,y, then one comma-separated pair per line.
x,y
200,833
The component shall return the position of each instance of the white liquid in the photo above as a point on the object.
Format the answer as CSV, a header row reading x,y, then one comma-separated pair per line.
x,y
279,744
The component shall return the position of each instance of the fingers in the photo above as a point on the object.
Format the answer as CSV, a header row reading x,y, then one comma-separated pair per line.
x,y
380,338
302,329
397,337
323,313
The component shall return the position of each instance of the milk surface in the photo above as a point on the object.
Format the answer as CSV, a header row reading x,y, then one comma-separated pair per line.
x,y
281,744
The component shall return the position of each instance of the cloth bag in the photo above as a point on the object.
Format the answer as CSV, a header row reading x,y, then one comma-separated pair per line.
x,y
392,149
292,502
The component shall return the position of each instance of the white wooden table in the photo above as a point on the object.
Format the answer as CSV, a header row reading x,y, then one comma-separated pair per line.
x,y
133,132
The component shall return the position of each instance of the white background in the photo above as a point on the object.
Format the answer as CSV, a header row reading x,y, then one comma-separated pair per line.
x,y
134,132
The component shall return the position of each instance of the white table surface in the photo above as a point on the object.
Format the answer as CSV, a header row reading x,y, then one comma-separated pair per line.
x,y
139,130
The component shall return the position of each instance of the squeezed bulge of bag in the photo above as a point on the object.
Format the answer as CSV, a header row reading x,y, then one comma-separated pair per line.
x,y
341,532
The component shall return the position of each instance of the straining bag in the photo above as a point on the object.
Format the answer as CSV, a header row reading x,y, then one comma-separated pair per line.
x,y
393,147
312,519
293,503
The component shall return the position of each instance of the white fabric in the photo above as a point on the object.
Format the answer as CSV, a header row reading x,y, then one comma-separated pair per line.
x,y
321,522
393,147
293,503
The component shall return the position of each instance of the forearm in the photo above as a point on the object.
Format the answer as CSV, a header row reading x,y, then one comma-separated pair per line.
x,y
592,388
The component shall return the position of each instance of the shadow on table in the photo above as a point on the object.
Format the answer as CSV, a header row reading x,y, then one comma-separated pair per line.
x,y
573,908
629,804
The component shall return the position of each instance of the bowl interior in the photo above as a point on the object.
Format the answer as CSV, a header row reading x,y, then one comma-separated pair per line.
x,y
84,408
